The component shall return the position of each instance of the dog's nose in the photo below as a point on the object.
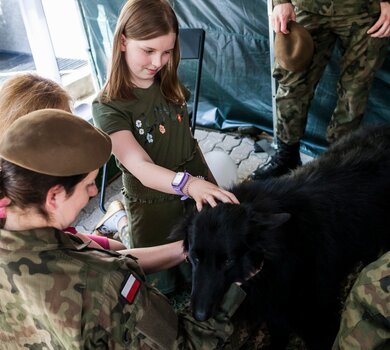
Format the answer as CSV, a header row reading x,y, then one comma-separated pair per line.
x,y
201,315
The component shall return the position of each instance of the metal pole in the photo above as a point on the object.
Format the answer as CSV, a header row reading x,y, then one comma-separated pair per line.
x,y
96,76
38,34
273,81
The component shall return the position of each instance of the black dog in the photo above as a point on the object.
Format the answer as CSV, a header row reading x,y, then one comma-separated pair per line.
x,y
305,231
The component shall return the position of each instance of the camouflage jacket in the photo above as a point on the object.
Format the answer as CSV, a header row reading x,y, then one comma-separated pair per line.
x,y
56,293
365,322
334,7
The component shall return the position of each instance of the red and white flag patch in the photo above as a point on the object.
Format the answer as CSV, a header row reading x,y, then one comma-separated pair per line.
x,y
130,289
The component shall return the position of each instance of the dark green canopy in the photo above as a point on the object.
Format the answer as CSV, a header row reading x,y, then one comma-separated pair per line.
x,y
236,77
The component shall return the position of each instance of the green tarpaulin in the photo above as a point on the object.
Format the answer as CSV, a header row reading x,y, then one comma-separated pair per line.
x,y
236,78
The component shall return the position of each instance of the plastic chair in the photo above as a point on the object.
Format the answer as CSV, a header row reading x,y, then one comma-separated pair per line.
x,y
191,48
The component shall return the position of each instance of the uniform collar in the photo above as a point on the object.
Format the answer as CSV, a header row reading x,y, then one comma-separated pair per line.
x,y
39,240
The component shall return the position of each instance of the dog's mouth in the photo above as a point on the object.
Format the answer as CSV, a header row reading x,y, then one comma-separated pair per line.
x,y
207,296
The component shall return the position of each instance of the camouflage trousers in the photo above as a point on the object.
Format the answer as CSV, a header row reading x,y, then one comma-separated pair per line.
x,y
256,337
247,337
361,57
365,322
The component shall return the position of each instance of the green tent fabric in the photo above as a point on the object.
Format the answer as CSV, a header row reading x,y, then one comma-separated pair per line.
x,y
236,77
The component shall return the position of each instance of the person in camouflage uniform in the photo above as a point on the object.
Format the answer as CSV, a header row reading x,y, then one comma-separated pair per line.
x,y
365,322
56,292
362,28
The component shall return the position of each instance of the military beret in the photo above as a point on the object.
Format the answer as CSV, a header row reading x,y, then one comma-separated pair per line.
x,y
294,51
55,142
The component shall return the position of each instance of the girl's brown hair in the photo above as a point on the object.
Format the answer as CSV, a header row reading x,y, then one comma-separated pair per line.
x,y
26,93
143,20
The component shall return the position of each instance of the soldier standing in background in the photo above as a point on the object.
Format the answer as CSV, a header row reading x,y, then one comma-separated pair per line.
x,y
362,28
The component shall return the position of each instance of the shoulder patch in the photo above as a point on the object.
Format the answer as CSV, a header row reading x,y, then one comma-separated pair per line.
x,y
130,288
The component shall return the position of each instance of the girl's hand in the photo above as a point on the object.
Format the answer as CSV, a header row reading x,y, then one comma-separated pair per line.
x,y
204,192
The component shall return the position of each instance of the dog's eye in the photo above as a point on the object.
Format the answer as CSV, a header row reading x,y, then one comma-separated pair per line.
x,y
229,262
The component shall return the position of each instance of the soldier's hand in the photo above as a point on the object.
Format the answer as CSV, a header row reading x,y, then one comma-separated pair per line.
x,y
281,14
381,28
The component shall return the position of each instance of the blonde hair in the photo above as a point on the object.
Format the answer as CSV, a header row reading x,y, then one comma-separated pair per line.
x,y
26,93
143,20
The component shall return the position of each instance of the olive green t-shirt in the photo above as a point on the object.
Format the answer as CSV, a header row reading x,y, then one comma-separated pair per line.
x,y
160,127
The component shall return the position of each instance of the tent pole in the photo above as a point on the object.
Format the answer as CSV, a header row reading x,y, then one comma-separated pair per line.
x,y
273,81
39,39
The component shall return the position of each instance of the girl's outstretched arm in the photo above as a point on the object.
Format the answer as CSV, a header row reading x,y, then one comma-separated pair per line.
x,y
129,152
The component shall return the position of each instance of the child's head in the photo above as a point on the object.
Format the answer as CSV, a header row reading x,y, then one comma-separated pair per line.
x,y
143,20
26,93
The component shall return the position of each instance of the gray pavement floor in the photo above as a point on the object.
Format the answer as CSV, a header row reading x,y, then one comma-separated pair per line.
x,y
240,146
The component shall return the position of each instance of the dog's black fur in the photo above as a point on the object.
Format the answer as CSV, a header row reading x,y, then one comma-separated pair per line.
x,y
306,230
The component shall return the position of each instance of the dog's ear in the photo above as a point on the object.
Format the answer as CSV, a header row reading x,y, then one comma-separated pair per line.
x,y
270,221
181,229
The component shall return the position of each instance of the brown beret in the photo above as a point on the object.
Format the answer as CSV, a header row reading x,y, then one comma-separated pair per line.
x,y
55,142
294,51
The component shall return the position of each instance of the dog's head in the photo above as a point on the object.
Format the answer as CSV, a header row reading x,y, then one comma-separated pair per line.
x,y
225,244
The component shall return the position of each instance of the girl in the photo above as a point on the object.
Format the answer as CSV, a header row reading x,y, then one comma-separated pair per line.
x,y
143,108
